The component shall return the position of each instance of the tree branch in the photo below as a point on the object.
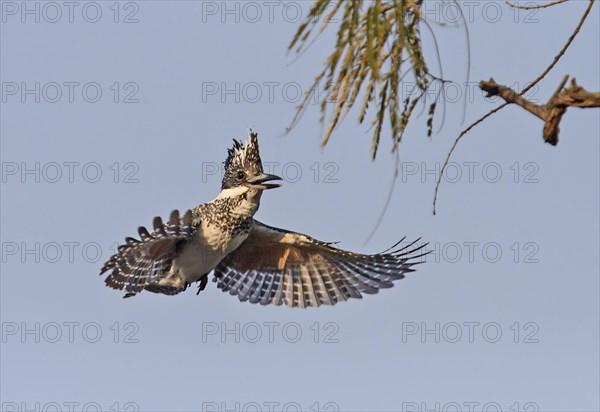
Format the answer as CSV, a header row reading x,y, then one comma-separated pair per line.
x,y
551,113
539,6
503,105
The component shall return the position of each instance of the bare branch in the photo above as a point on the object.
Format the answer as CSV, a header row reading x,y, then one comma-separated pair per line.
x,y
494,89
551,112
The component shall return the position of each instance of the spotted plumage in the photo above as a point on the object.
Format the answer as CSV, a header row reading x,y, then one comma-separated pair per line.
x,y
256,262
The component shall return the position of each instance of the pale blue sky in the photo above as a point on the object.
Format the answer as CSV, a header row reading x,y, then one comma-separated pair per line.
x,y
202,75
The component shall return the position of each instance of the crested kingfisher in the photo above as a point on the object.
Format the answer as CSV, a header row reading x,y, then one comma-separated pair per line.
x,y
256,262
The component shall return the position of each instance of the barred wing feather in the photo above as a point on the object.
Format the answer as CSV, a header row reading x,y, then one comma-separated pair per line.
x,y
276,266
140,264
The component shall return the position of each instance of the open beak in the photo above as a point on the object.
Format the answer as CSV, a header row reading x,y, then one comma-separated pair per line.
x,y
258,182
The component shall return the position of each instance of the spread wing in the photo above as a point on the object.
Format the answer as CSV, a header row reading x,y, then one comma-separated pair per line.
x,y
275,266
139,264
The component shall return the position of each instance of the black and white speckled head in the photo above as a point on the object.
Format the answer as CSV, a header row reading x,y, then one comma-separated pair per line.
x,y
243,167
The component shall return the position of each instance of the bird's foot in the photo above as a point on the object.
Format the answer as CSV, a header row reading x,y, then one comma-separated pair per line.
x,y
203,282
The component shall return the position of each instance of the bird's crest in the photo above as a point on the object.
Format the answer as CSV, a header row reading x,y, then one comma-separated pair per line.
x,y
242,157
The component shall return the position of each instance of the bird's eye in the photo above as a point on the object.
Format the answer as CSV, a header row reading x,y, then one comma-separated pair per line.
x,y
241,175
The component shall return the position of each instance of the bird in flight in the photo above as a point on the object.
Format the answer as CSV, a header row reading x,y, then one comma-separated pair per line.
x,y
256,262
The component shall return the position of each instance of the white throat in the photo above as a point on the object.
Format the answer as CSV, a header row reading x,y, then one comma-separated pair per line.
x,y
233,192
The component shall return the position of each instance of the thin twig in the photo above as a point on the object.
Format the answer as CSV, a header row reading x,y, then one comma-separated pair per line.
x,y
563,50
388,200
560,87
332,13
539,6
468,39
464,132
